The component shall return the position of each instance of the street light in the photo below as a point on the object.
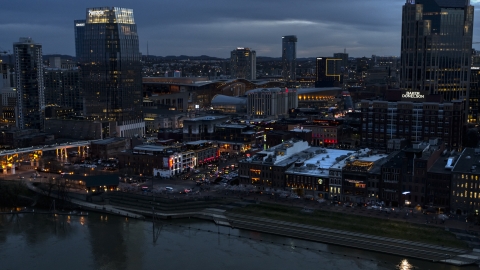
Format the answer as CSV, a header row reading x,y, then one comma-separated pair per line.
x,y
405,202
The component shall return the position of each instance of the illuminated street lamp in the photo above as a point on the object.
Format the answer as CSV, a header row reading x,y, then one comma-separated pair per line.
x,y
406,202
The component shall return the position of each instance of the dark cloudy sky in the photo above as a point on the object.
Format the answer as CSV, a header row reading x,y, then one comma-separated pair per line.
x,y
215,27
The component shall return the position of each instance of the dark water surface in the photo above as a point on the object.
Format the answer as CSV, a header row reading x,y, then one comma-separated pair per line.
x,y
34,241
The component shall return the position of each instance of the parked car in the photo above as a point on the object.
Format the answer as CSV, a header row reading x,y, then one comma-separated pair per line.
x,y
168,189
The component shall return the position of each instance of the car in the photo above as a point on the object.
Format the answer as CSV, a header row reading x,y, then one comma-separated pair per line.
x,y
196,171
168,189
188,190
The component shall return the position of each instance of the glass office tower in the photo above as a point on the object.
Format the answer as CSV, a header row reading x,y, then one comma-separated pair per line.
x,y
289,58
243,64
79,35
30,109
110,65
436,47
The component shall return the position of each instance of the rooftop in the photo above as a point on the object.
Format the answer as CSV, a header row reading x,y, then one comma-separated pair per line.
x,y
231,126
468,161
109,140
302,91
197,142
207,118
301,130
222,99
320,163
149,147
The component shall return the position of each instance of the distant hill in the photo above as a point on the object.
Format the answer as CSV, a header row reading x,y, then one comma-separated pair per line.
x,y
184,57
64,56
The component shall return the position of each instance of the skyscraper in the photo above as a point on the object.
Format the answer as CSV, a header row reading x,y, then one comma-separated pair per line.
x,y
243,64
30,110
289,58
344,57
110,65
79,35
62,88
329,72
436,47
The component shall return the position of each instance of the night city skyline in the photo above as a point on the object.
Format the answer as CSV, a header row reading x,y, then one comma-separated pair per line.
x,y
215,28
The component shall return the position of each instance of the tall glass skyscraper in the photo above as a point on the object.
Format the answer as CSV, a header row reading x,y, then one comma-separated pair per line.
x,y
436,47
243,64
30,111
79,35
110,65
289,58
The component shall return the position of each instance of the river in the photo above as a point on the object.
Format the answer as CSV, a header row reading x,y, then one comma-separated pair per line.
x,y
36,241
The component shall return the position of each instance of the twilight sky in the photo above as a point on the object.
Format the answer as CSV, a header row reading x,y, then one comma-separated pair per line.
x,y
215,27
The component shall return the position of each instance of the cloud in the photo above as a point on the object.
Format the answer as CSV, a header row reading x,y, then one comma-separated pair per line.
x,y
215,27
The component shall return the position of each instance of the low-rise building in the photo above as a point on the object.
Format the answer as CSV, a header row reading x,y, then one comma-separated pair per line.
x,y
201,128
311,176
465,191
200,152
108,148
266,169
361,176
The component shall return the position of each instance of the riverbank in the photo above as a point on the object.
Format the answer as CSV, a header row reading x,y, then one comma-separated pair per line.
x,y
375,234
354,223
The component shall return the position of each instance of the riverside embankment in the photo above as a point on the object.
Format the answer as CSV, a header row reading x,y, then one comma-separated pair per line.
x,y
222,211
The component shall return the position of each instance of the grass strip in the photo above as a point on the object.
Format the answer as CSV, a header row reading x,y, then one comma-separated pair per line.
x,y
355,223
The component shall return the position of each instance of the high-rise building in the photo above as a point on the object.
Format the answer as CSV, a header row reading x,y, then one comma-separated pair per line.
x,y
29,81
411,120
344,57
267,102
289,58
79,35
62,88
243,64
329,72
436,47
110,64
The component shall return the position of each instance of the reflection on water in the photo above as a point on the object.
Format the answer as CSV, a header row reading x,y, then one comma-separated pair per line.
x,y
404,265
30,241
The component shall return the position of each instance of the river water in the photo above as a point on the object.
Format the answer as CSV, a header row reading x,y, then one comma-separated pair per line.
x,y
36,241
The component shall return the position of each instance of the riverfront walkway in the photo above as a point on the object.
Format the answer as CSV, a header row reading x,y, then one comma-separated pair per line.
x,y
90,206
355,240
138,206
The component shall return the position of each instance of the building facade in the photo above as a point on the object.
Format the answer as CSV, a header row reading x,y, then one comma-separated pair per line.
x,y
265,102
266,169
30,84
328,72
62,88
436,47
111,65
79,26
243,64
201,128
414,121
289,58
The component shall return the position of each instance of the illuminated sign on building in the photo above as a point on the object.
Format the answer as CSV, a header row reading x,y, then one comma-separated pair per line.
x,y
80,24
96,12
413,95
